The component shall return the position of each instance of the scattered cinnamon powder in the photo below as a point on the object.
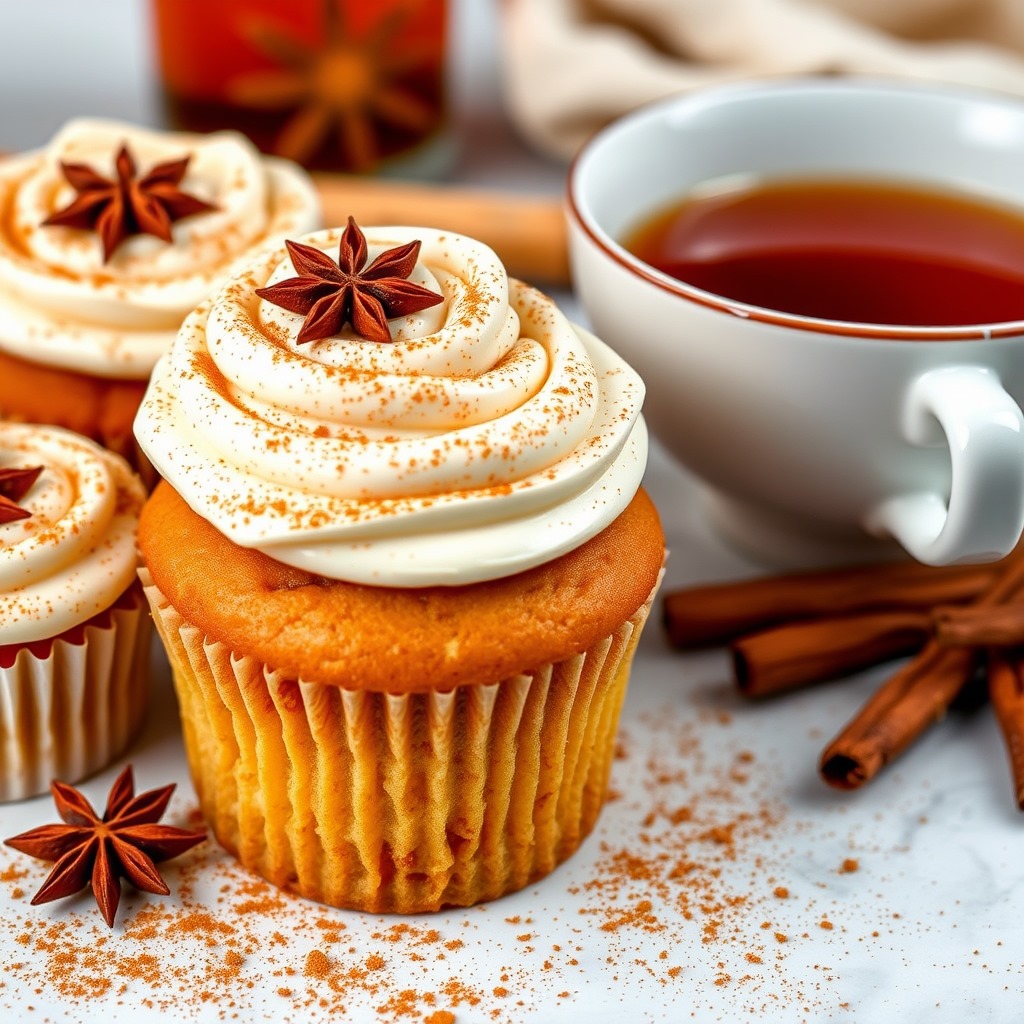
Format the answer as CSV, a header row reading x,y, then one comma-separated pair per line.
x,y
674,891
317,964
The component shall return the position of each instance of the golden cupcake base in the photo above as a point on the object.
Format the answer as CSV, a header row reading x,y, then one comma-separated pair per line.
x,y
398,803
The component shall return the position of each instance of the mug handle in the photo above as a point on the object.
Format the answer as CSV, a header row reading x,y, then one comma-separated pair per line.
x,y
969,410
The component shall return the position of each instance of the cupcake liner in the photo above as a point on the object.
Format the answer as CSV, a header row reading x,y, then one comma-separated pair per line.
x,y
69,714
398,803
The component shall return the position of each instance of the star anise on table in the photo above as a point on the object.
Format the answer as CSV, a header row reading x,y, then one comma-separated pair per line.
x,y
350,86
127,205
125,842
14,485
331,294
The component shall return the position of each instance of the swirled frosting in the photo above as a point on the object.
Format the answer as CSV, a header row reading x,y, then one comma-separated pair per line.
x,y
61,305
75,554
490,436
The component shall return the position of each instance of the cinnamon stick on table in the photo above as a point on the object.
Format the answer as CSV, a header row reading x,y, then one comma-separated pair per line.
x,y
980,627
913,698
785,657
707,616
527,231
1006,691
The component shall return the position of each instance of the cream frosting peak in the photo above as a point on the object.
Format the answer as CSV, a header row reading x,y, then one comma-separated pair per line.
x,y
60,304
75,554
490,435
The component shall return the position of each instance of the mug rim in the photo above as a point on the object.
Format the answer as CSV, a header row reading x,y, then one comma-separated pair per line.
x,y
580,213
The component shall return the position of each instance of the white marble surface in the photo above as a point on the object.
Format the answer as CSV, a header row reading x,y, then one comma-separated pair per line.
x,y
927,928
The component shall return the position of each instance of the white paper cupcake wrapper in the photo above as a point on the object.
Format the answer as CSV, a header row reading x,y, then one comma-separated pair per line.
x,y
68,715
400,803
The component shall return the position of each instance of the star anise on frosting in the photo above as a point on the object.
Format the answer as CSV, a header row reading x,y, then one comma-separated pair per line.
x,y
125,842
14,485
127,205
332,294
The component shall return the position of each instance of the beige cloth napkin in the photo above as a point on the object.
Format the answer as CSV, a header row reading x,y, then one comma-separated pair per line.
x,y
572,65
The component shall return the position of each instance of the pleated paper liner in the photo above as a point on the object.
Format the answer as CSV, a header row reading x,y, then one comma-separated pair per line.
x,y
398,803
70,705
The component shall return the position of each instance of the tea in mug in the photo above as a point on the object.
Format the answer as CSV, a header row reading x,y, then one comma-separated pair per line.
x,y
863,251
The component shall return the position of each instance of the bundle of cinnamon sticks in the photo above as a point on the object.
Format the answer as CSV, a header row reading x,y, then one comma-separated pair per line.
x,y
797,629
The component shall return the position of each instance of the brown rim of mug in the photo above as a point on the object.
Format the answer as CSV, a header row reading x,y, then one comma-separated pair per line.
x,y
889,332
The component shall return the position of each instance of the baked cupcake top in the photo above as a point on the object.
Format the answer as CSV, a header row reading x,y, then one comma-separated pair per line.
x,y
486,436
66,300
68,514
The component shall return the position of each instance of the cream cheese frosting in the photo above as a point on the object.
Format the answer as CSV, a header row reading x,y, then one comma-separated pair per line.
x,y
490,436
75,554
61,305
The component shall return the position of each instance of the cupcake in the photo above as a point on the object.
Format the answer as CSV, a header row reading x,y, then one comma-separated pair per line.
x,y
400,562
110,236
73,625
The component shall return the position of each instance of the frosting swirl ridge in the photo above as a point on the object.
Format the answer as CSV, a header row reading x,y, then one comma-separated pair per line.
x,y
75,554
490,435
62,305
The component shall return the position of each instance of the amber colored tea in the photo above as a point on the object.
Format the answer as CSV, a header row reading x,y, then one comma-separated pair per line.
x,y
861,251
334,84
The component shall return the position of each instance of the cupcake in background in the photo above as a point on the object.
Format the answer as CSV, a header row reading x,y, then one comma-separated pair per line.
x,y
400,561
73,624
110,236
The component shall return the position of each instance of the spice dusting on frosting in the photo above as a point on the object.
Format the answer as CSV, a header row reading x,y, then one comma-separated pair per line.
x,y
489,423
330,294
125,842
63,306
14,485
128,205
75,555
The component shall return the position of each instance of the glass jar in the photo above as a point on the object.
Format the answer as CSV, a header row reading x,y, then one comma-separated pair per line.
x,y
345,85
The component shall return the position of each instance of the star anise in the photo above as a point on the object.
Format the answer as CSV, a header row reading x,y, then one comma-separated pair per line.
x,y
361,88
14,485
330,293
127,205
124,842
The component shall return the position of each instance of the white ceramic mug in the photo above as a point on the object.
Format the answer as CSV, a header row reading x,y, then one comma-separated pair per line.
x,y
814,435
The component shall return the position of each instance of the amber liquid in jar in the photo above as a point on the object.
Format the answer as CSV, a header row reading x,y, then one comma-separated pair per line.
x,y
862,251
344,85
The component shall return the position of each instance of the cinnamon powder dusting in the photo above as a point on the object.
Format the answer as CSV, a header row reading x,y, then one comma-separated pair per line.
x,y
684,897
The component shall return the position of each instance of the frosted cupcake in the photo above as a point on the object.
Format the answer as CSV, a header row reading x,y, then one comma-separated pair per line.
x,y
400,563
73,628
110,236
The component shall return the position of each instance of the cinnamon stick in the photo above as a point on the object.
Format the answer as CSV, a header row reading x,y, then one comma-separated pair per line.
x,y
913,698
981,627
527,232
1006,691
706,616
783,658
